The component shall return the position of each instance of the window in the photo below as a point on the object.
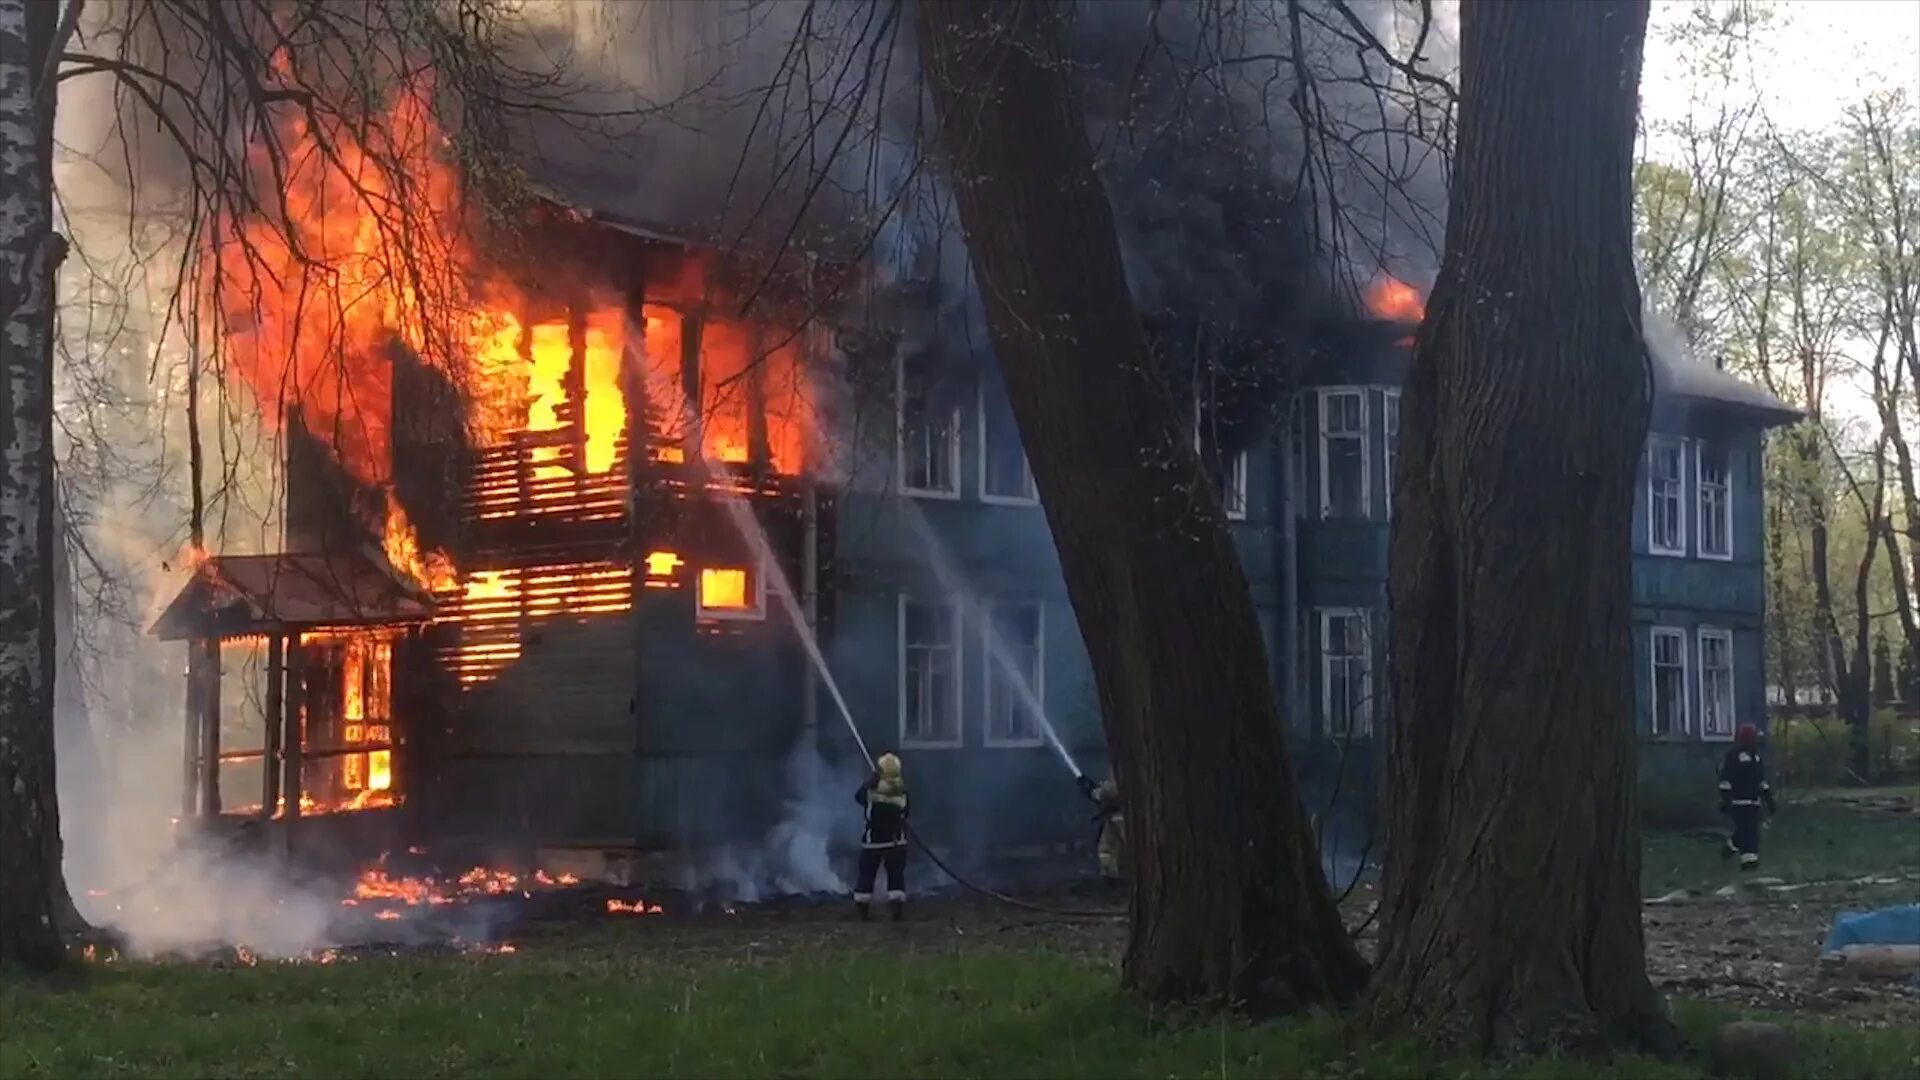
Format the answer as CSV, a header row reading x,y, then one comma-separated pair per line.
x,y
732,592
1004,476
929,672
1346,673
1234,488
1716,683
1011,633
1343,453
1669,681
929,443
1666,473
1391,421
1716,502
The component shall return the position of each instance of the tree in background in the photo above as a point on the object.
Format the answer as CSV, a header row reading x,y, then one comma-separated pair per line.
x,y
1522,425
1229,903
1791,256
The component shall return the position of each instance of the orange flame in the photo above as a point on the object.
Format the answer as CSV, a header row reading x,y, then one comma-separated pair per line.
x,y
632,907
371,263
1395,300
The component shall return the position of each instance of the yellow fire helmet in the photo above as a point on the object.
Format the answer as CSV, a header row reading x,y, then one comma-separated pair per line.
x,y
889,766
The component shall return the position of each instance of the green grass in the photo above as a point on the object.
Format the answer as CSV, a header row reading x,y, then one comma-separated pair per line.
x,y
586,1007
1811,839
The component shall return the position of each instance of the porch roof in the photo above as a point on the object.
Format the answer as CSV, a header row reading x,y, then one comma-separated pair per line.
x,y
240,595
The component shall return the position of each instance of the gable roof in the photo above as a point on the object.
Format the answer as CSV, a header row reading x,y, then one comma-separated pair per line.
x,y
236,595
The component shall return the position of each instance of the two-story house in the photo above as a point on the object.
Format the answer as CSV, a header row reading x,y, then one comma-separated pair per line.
x,y
1310,501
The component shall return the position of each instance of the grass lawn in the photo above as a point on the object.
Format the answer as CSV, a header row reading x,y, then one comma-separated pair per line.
x,y
1818,836
961,991
588,1004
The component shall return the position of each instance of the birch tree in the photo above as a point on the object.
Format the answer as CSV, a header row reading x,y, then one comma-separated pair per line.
x,y
32,889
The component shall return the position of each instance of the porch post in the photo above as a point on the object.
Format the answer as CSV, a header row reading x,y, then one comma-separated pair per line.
x,y
292,706
190,755
210,719
270,756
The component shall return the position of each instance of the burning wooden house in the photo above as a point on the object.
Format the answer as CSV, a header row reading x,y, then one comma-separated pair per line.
x,y
531,544
523,596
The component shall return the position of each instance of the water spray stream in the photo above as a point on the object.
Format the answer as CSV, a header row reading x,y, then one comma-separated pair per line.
x,y
751,531
956,583
756,537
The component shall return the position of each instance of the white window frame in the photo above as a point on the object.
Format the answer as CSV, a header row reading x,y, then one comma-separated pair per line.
x,y
1731,723
1362,723
757,572
959,673
1654,546
1701,453
1032,497
1389,439
992,667
1326,394
900,441
1653,683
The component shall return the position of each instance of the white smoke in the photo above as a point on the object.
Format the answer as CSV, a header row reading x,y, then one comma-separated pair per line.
x,y
795,858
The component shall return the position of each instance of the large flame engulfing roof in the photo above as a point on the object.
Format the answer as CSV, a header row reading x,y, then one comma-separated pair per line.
x,y
374,256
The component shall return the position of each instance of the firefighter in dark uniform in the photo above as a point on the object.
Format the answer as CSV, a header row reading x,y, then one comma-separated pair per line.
x,y
1744,791
884,842
1112,840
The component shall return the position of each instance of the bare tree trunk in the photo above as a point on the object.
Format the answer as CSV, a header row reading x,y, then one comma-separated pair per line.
x,y
1228,901
31,885
1511,897
1787,675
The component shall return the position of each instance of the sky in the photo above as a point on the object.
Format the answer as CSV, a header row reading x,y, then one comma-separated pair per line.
x,y
1818,57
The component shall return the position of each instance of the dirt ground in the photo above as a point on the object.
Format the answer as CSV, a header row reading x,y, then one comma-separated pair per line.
x,y
1755,949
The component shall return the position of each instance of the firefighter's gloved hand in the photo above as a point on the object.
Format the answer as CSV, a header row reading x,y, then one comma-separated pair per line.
x,y
1088,787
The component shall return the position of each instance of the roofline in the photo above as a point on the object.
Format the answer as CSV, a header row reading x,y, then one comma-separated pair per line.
x,y
1782,415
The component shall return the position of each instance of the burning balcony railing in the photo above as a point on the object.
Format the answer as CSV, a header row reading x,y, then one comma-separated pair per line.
x,y
490,619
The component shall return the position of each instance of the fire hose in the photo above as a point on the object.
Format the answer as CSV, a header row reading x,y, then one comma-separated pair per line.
x,y
1070,913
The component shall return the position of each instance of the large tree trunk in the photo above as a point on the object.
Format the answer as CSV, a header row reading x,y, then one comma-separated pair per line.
x,y
1228,900
31,886
1511,915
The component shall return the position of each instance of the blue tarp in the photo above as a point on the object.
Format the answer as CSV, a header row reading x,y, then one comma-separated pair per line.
x,y
1888,926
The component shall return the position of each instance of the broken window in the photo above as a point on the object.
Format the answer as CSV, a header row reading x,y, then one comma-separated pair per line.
x,y
732,592
1343,453
1669,681
1716,683
1231,480
1716,503
929,672
929,444
1004,476
1666,471
1013,672
1346,672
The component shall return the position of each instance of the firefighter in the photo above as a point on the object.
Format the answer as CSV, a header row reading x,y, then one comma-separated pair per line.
x,y
1112,842
1743,792
884,842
